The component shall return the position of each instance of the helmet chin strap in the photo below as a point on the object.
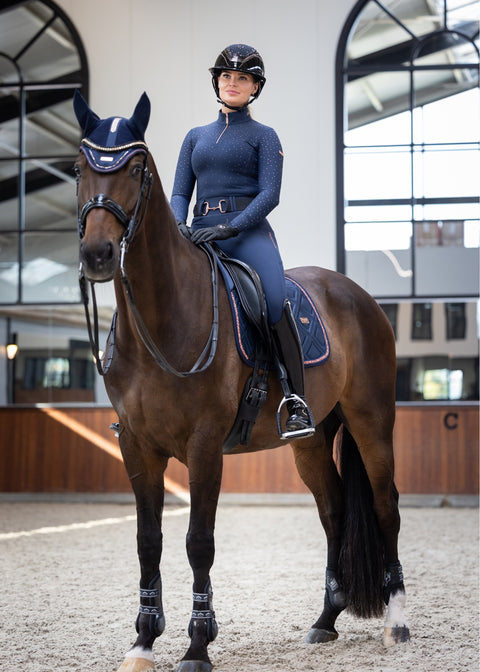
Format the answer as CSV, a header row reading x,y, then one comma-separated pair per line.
x,y
232,107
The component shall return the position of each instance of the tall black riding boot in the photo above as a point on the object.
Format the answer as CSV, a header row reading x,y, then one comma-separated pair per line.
x,y
290,353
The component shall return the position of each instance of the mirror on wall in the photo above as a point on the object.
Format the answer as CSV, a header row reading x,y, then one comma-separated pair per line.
x,y
45,354
437,349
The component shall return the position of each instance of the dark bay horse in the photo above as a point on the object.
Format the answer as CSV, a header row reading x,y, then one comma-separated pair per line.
x,y
171,405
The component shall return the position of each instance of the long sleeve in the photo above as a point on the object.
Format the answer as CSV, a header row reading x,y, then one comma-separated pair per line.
x,y
270,167
184,182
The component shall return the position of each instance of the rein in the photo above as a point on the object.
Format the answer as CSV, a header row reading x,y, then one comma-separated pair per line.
x,y
131,226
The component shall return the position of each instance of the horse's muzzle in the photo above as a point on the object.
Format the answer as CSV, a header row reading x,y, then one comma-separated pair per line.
x,y
99,262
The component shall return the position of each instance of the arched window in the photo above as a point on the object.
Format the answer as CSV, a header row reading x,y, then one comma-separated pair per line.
x,y
42,61
408,160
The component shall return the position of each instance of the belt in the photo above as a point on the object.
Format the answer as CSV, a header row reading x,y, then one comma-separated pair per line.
x,y
223,205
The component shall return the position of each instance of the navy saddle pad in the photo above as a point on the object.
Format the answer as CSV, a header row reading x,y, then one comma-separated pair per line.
x,y
316,347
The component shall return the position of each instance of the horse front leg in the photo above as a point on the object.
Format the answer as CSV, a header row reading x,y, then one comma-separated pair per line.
x,y
205,475
148,486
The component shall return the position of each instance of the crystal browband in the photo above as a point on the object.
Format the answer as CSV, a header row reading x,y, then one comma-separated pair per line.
x,y
119,148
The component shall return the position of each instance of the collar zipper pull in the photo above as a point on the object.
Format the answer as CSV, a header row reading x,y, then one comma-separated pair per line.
x,y
226,126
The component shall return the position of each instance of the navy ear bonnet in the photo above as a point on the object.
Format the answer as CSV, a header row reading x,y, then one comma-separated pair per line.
x,y
109,143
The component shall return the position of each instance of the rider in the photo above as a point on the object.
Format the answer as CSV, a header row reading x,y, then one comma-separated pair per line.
x,y
237,164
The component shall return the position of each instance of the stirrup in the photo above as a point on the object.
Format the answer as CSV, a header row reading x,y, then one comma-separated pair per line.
x,y
298,433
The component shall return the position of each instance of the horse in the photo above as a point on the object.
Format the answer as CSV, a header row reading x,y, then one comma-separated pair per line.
x,y
174,377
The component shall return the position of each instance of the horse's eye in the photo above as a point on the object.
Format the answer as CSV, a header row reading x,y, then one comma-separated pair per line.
x,y
77,170
136,170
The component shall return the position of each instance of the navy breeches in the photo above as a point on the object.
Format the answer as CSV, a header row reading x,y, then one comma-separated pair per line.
x,y
258,248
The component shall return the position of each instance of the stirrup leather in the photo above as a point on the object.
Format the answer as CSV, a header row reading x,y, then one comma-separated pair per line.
x,y
298,433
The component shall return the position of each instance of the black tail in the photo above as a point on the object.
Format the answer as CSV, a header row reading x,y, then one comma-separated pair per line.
x,y
361,566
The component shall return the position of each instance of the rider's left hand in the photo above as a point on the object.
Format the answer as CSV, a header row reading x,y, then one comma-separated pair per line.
x,y
219,232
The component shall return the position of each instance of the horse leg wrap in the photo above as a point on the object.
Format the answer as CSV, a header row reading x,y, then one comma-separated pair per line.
x,y
393,581
203,611
151,608
334,602
334,592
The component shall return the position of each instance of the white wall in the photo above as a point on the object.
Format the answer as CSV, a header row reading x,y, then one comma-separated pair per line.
x,y
166,48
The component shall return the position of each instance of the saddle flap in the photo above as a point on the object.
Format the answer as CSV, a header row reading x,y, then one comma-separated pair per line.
x,y
249,288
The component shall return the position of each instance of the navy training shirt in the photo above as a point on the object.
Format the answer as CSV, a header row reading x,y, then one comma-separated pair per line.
x,y
233,156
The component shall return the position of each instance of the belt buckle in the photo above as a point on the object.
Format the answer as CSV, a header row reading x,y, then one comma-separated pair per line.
x,y
206,207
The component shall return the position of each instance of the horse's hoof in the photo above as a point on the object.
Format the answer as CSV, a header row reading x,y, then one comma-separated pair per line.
x,y
194,666
399,634
320,636
136,665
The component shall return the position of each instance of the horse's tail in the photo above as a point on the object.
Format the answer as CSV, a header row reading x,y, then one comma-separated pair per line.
x,y
361,565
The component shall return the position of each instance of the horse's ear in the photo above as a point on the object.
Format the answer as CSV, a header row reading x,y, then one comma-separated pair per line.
x,y
141,114
86,117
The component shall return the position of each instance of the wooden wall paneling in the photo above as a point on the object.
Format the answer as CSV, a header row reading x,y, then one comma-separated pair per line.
x,y
436,450
73,450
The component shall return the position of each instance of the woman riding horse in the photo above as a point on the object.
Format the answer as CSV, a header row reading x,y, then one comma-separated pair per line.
x,y
237,164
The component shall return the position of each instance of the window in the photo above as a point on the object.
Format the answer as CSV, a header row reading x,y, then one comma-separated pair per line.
x,y
456,321
408,160
409,148
422,321
391,311
42,61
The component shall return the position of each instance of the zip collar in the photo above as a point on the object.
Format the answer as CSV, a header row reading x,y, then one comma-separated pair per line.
x,y
238,117
227,119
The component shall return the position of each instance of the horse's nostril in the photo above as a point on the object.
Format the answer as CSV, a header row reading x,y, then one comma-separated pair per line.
x,y
98,258
105,254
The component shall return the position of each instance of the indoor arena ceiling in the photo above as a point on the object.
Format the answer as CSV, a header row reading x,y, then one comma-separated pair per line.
x,y
380,40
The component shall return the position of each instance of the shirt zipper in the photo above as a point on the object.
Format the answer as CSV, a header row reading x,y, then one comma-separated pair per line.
x,y
226,126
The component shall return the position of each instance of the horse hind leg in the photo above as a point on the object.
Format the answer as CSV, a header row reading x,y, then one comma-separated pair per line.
x,y
367,471
385,497
395,629
316,467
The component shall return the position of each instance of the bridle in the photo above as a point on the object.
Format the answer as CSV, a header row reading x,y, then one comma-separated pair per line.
x,y
131,226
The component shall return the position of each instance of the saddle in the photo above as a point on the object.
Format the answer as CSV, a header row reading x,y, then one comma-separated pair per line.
x,y
248,290
254,339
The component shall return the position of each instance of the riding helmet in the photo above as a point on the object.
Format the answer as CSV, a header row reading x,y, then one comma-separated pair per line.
x,y
243,58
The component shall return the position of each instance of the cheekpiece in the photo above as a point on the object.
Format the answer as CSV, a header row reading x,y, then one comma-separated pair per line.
x,y
108,144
